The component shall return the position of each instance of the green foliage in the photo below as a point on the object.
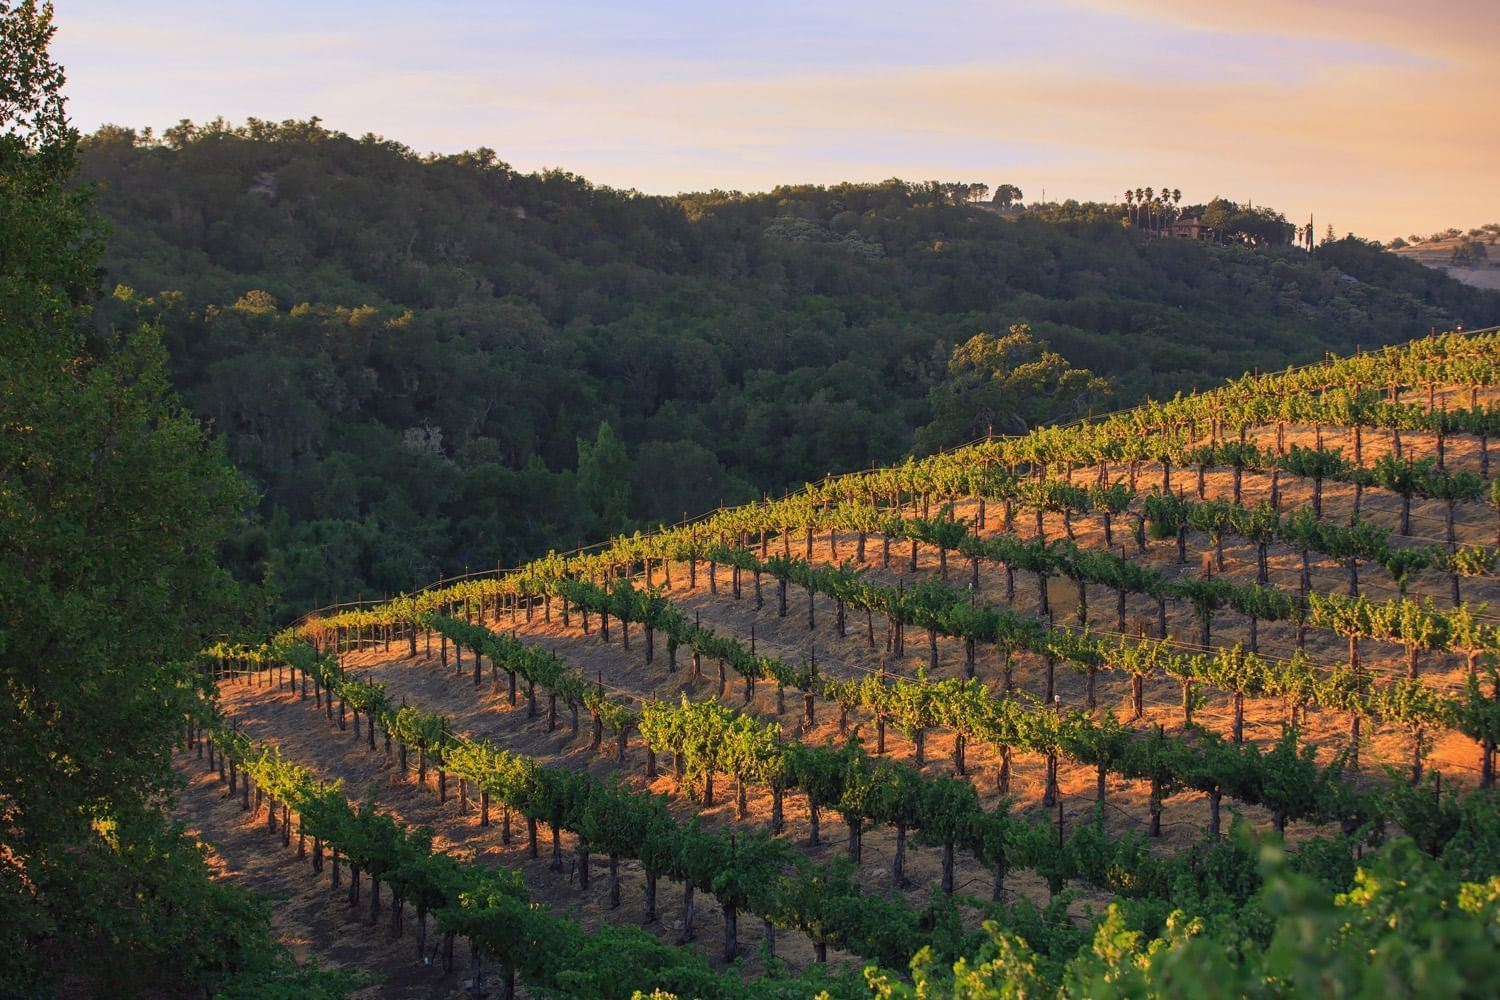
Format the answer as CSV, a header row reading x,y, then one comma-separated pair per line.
x,y
113,506
405,351
604,483
1406,927
1009,383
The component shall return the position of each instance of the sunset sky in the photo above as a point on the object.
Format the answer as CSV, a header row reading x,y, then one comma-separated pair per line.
x,y
1381,117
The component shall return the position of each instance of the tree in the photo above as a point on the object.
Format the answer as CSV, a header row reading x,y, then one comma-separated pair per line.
x,y
1009,383
1467,251
1452,488
1007,195
1403,477
113,507
1317,465
1234,223
948,807
1418,626
604,482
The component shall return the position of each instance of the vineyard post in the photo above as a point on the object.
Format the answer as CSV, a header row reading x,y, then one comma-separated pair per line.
x,y
688,932
808,702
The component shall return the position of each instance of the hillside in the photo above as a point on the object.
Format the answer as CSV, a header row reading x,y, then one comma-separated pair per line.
x,y
413,357
1438,253
1203,689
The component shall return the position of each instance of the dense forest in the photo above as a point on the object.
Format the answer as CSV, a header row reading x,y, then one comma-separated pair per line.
x,y
424,363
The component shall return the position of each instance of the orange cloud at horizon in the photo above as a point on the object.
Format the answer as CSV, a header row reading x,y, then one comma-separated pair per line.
x,y
1393,149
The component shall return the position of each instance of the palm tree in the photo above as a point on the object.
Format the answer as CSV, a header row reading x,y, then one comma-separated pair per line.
x,y
1140,200
1130,204
1151,207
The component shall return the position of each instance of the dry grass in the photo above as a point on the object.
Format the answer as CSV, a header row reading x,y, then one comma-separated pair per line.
x,y
1437,253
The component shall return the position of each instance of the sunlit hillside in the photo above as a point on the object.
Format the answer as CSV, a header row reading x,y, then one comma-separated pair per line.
x,y
970,704
1457,257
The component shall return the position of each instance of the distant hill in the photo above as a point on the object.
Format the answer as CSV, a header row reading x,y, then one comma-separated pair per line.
x,y
1480,272
414,357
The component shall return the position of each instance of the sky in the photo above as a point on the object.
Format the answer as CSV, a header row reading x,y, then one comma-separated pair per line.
x,y
1379,117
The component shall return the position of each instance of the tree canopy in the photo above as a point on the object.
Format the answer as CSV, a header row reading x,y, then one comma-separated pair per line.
x,y
1008,385
403,352
113,502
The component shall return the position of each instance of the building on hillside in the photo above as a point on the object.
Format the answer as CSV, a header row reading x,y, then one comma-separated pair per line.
x,y
1191,228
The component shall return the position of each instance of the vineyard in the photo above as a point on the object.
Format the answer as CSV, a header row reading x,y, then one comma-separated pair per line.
x,y
1201,697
